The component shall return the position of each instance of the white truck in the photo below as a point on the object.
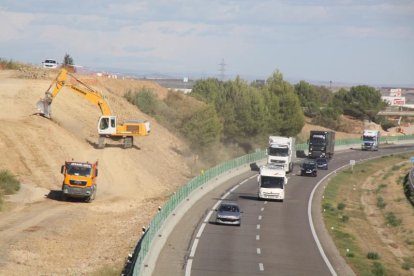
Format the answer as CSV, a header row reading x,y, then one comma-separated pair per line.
x,y
370,140
271,181
280,151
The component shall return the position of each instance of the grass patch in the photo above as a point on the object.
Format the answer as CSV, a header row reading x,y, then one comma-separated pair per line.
x,y
108,270
8,182
350,230
407,264
392,219
8,185
380,202
373,256
378,269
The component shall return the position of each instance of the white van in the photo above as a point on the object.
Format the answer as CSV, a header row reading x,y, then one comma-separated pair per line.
x,y
50,63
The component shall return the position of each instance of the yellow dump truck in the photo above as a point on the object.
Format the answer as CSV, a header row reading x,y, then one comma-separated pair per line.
x,y
79,180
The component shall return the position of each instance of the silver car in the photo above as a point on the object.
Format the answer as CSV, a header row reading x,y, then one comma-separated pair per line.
x,y
228,213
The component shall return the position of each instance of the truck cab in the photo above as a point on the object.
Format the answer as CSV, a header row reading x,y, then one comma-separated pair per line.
x,y
271,182
79,180
280,152
370,140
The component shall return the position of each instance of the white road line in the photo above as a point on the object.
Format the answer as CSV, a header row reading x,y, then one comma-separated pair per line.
x,y
259,251
260,217
208,216
265,202
234,188
262,209
258,227
225,195
261,267
216,205
188,267
257,237
200,231
193,248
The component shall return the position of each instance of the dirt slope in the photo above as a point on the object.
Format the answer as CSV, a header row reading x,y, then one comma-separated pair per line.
x,y
43,235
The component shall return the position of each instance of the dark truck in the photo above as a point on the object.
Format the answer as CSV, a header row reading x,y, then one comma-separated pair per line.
x,y
321,144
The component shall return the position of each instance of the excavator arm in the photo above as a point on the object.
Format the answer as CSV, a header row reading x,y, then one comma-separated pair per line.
x,y
94,97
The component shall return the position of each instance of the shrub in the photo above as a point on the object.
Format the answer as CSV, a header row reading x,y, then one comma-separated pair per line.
x,y
392,219
373,256
407,264
8,182
144,99
377,269
380,202
341,206
344,218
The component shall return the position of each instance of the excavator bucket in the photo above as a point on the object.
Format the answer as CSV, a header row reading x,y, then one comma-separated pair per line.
x,y
44,107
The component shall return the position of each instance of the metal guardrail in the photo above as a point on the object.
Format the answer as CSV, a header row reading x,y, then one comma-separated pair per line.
x,y
135,261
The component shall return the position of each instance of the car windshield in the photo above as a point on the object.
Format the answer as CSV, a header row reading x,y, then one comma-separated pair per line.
x,y
278,151
272,182
321,161
229,208
78,170
368,138
308,165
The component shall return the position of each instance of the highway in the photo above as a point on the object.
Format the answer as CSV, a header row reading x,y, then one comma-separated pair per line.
x,y
275,238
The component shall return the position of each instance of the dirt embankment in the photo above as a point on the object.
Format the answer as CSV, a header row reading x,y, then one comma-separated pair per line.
x,y
41,234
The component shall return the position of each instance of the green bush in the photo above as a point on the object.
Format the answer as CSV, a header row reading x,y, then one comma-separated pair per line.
x,y
380,202
344,218
8,182
377,269
392,219
144,99
341,206
373,256
407,264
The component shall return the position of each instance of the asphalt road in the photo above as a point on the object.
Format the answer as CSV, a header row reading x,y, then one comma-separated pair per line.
x,y
275,238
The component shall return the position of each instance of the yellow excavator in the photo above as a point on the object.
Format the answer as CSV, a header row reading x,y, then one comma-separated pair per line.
x,y
107,124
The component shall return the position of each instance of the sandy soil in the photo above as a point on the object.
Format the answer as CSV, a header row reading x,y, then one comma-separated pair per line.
x,y
39,234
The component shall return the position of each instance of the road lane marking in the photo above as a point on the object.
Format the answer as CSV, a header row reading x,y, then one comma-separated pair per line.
x,y
193,248
234,188
200,231
225,195
216,205
260,217
258,227
265,202
257,237
188,267
261,267
262,209
208,216
259,251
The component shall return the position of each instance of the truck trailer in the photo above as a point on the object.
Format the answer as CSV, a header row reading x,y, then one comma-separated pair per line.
x,y
280,152
321,144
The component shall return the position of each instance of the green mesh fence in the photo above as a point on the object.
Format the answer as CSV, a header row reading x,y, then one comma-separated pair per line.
x,y
210,174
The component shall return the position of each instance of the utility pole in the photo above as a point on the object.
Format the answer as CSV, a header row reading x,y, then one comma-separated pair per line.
x,y
222,69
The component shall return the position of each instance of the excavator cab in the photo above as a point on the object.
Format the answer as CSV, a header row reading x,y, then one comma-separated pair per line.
x,y
107,125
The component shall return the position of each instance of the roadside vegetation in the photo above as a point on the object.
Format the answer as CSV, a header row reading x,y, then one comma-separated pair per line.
x,y
369,217
241,114
8,185
11,64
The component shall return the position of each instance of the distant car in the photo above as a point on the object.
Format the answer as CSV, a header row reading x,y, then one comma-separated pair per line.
x,y
309,168
228,213
50,63
322,163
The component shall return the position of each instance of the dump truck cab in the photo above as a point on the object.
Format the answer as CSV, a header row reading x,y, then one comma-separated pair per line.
x,y
79,180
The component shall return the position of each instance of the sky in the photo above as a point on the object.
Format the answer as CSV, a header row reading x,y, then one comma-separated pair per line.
x,y
344,41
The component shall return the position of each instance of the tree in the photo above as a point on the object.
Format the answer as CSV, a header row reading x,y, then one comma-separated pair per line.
x,y
67,60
